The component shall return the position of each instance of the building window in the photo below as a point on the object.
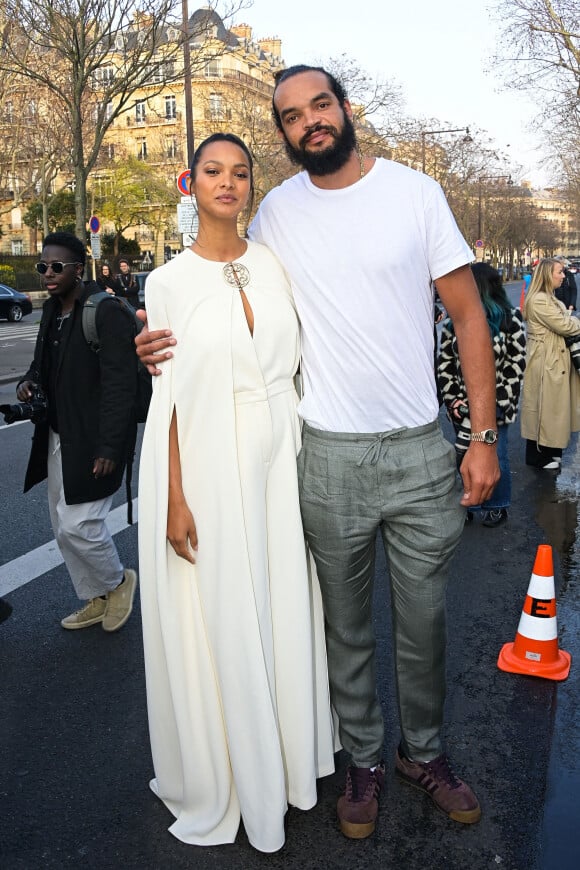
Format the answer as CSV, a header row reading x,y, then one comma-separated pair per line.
x,y
16,219
140,112
171,147
142,149
17,247
105,74
213,69
170,108
107,114
216,106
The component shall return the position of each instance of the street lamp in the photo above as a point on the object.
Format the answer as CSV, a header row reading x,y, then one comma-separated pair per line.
x,y
481,179
467,138
187,82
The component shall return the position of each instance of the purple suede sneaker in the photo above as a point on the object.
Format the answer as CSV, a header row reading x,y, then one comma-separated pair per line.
x,y
449,793
359,806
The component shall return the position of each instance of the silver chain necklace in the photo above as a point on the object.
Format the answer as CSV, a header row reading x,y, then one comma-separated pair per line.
x,y
60,319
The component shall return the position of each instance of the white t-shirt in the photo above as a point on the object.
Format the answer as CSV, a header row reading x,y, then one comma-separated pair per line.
x,y
361,261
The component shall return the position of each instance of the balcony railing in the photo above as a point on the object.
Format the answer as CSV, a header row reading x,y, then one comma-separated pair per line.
x,y
244,79
152,118
217,115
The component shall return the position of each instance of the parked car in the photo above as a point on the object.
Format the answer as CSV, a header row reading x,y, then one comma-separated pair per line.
x,y
141,278
13,305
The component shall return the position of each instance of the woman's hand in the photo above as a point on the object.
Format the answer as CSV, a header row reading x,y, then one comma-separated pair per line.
x,y
150,345
454,409
181,531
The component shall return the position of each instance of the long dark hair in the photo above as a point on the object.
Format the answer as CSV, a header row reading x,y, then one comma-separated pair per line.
x,y
235,140
498,309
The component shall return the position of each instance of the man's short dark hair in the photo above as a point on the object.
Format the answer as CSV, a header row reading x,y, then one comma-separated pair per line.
x,y
71,243
283,74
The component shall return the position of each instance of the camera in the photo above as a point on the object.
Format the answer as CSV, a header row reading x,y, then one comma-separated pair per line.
x,y
462,428
462,437
573,345
33,410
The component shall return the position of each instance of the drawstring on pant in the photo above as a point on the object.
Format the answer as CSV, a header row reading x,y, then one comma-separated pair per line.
x,y
374,449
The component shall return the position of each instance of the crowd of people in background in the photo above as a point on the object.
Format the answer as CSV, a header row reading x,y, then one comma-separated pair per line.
x,y
532,357
122,284
550,409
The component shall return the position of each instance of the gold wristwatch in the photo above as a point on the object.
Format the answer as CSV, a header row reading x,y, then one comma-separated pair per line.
x,y
488,436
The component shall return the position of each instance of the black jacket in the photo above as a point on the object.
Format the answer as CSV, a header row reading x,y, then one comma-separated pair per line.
x,y
567,292
95,401
128,288
109,283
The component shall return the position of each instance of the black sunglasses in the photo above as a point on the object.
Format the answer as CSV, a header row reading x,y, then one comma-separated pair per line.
x,y
56,266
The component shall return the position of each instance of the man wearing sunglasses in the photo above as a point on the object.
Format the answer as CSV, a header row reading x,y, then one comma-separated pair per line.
x,y
88,432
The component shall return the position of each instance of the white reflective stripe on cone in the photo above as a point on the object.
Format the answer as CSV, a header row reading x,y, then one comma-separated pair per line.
x,y
541,587
538,628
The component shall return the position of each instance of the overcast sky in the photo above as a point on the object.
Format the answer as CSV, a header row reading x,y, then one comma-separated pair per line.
x,y
439,52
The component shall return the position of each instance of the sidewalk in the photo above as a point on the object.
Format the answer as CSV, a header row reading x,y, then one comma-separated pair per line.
x,y
11,378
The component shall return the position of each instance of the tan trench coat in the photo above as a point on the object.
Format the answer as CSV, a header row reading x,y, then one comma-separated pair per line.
x,y
551,390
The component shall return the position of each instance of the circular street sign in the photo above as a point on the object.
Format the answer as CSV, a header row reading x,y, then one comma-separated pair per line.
x,y
183,182
94,224
479,244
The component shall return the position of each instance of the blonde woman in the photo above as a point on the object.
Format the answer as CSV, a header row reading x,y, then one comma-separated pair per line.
x,y
551,391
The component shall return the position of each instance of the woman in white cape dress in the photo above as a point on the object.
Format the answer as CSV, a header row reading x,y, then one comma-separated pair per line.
x,y
237,687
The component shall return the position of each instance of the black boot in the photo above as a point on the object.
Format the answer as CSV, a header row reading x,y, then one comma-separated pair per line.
x,y
5,610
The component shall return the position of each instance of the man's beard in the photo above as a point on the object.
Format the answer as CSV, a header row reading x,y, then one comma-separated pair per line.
x,y
332,158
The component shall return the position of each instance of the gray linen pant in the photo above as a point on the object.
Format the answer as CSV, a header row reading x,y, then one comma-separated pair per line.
x,y
404,483
81,534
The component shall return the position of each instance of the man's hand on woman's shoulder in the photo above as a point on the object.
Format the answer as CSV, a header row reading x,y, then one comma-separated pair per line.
x,y
151,345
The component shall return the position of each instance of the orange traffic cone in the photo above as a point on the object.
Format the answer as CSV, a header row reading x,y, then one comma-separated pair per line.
x,y
535,650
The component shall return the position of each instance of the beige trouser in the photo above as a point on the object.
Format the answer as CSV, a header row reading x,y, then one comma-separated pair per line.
x,y
82,534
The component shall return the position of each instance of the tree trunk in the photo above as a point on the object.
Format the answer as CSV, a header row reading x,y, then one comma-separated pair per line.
x,y
80,204
45,229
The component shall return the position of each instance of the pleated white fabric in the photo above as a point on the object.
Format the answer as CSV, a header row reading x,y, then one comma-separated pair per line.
x,y
237,686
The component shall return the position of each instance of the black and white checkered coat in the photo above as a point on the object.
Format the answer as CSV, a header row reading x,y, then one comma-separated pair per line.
x,y
509,348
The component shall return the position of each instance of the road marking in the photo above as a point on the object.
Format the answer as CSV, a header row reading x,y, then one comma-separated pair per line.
x,y
37,562
12,425
18,331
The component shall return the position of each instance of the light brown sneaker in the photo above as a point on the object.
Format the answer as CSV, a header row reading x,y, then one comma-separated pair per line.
x,y
120,602
449,793
90,614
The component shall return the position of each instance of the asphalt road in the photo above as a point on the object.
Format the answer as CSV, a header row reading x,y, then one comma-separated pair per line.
x,y
74,751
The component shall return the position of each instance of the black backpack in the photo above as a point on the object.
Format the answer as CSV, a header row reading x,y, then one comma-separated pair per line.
x,y
144,380
89,324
